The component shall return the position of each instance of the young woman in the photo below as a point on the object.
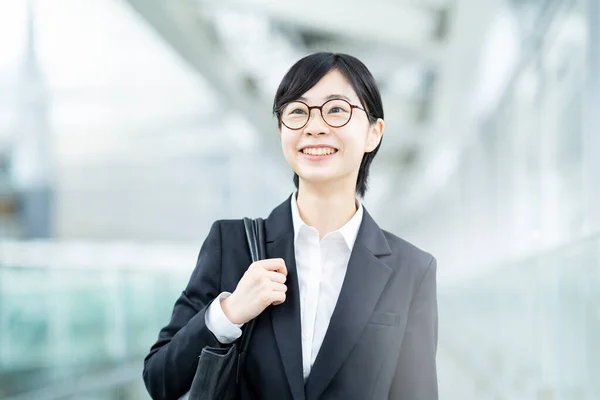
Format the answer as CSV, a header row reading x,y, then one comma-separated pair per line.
x,y
345,310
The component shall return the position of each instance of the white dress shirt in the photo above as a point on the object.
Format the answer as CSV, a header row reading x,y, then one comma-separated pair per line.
x,y
321,267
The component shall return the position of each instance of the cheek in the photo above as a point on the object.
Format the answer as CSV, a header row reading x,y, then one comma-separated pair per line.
x,y
288,144
355,144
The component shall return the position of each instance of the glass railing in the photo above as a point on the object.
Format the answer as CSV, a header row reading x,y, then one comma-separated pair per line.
x,y
529,330
87,314
80,312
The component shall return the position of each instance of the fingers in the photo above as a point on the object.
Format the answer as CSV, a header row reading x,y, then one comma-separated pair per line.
x,y
276,277
272,296
263,284
278,298
265,278
278,287
272,264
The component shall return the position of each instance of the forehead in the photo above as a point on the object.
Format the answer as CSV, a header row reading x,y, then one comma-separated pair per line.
x,y
334,83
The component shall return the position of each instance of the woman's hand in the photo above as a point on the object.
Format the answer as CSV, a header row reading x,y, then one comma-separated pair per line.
x,y
263,284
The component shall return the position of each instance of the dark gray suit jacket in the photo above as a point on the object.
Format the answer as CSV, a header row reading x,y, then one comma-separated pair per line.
x,y
382,338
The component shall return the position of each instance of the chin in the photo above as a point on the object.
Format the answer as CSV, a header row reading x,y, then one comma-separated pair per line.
x,y
315,177
318,178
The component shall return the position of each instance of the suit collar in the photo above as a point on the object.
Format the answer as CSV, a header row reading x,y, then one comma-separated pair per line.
x,y
365,280
285,318
369,235
279,222
366,277
348,232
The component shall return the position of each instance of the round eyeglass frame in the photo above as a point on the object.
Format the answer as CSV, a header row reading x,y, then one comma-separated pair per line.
x,y
320,108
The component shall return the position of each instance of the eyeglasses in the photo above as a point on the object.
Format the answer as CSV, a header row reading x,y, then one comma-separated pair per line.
x,y
336,113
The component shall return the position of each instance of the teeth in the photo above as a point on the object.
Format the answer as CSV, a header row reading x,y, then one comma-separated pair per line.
x,y
318,151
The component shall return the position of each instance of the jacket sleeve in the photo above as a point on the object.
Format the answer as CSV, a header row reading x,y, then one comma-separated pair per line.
x,y
170,366
416,372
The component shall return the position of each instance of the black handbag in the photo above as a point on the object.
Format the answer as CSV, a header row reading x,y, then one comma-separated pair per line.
x,y
219,368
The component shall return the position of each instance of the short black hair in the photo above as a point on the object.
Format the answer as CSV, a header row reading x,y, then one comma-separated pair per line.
x,y
308,71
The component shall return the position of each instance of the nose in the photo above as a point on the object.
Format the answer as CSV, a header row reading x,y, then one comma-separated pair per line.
x,y
316,125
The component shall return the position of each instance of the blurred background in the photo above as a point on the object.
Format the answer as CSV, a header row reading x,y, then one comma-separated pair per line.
x,y
128,126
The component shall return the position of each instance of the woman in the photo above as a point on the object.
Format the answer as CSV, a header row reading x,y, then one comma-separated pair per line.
x,y
344,309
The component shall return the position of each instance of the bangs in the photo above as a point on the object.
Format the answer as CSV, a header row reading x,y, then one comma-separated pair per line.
x,y
308,71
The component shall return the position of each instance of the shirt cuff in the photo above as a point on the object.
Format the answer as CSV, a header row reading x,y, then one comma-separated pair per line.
x,y
217,322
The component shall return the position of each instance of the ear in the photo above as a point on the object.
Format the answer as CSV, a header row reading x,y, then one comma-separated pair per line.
x,y
374,136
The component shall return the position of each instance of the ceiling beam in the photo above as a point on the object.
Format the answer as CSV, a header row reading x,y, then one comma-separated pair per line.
x,y
398,25
182,26
184,29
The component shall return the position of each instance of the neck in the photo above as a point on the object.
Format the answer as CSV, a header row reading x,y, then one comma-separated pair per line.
x,y
326,210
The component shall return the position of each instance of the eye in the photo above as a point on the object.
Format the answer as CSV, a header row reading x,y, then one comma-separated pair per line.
x,y
336,107
297,110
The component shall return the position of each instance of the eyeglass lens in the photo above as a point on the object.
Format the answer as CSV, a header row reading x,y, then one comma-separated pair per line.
x,y
335,113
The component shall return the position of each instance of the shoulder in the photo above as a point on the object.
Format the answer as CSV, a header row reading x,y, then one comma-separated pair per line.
x,y
229,236
229,224
410,255
227,229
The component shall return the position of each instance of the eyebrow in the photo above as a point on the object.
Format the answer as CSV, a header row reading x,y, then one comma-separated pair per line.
x,y
330,97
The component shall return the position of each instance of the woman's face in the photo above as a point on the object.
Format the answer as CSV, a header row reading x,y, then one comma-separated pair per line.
x,y
321,154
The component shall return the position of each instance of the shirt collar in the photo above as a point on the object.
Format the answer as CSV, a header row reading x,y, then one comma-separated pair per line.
x,y
349,231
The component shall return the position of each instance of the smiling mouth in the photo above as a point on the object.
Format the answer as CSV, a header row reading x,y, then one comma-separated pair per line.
x,y
322,151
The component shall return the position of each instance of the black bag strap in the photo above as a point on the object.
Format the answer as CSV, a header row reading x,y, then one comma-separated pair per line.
x,y
255,235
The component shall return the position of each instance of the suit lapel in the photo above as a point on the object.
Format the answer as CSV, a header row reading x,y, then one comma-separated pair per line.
x,y
366,277
286,317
